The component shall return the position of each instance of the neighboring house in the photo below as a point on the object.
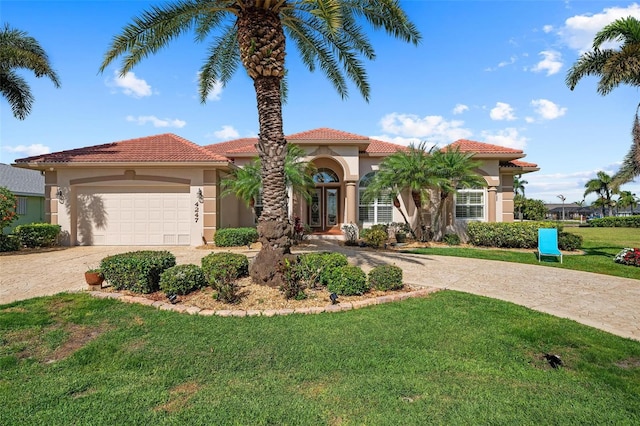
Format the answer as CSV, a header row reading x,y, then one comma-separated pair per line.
x,y
28,187
163,189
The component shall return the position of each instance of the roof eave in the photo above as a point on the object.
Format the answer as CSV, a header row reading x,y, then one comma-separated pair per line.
x,y
113,164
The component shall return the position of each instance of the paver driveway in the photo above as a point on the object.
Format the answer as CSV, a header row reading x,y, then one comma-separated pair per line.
x,y
605,302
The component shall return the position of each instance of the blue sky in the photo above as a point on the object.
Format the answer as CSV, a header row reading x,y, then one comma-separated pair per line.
x,y
491,71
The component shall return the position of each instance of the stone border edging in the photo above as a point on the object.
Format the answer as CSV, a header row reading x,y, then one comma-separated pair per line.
x,y
194,310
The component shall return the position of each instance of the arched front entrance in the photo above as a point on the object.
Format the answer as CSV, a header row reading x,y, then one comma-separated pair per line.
x,y
325,208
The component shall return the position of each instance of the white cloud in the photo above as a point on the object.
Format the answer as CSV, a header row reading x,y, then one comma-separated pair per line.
x,y
508,137
579,30
547,28
216,92
502,111
227,132
131,85
512,60
551,62
548,186
547,110
28,150
157,122
432,127
460,108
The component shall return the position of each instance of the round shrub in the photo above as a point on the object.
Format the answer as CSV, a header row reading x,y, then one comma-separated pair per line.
x,y
315,268
348,281
374,237
182,279
137,271
219,268
235,237
386,277
451,239
9,243
568,241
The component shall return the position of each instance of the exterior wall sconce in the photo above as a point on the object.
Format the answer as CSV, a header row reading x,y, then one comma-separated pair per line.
x,y
200,196
60,196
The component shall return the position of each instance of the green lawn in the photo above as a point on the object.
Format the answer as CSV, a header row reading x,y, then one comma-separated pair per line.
x,y
600,247
452,358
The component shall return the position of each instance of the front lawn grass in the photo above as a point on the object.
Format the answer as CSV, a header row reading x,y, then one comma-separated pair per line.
x,y
452,358
600,245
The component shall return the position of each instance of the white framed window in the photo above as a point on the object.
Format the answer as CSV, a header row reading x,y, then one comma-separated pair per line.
x,y
21,205
470,203
379,210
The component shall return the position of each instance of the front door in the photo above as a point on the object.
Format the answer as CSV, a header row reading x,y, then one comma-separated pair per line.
x,y
323,210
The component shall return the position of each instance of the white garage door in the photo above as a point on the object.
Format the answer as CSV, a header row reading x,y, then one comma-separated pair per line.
x,y
117,216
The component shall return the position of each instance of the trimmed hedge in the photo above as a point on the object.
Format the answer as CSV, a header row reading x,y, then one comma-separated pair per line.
x,y
9,243
220,268
37,235
507,234
386,277
235,237
315,268
348,281
451,239
374,236
137,271
568,241
616,222
182,279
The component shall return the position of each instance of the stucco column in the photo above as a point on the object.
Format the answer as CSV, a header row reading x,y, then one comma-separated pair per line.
x,y
352,201
210,206
492,203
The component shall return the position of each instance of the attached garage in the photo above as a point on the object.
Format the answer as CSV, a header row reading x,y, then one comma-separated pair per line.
x,y
140,215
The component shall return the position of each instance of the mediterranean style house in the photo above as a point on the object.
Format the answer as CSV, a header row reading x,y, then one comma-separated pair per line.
x,y
165,190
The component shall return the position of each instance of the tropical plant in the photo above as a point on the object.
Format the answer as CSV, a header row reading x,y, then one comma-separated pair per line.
x,y
453,170
518,185
613,66
20,51
630,167
627,199
328,34
7,208
406,170
605,188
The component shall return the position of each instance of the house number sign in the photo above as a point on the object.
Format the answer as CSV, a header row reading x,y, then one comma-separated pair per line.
x,y
197,211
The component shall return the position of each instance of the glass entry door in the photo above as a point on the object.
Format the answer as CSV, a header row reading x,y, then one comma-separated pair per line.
x,y
324,208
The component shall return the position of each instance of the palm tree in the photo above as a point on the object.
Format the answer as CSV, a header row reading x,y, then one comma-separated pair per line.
x,y
454,170
328,35
518,185
245,182
613,66
627,199
630,168
604,186
18,51
406,170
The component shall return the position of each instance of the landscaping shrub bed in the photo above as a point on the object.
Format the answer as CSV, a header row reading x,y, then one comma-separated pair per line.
x,y
37,235
616,222
235,237
9,243
220,268
348,280
315,268
137,271
182,279
506,234
628,256
386,277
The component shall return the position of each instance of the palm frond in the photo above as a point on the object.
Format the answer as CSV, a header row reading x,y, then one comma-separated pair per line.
x,y
222,63
625,30
17,92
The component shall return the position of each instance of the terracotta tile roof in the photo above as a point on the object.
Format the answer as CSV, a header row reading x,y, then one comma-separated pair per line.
x,y
239,145
465,145
519,163
325,133
381,147
159,148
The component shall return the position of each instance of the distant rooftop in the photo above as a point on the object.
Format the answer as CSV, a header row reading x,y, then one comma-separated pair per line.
x,y
21,181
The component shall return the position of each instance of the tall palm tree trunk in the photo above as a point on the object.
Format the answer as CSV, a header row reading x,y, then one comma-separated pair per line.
x,y
396,204
262,50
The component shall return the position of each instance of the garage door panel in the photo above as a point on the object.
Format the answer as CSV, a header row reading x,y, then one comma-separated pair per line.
x,y
139,216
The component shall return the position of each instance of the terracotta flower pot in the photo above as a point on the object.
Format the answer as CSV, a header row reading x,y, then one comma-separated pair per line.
x,y
94,280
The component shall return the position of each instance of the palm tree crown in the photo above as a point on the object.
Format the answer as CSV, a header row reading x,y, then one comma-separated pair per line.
x,y
604,187
328,35
613,66
17,51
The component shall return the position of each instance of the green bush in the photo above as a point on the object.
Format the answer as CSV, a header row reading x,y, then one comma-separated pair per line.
x,y
374,237
220,268
451,239
235,237
9,243
182,279
568,241
315,268
7,208
386,277
293,285
507,234
137,271
617,222
348,281
37,234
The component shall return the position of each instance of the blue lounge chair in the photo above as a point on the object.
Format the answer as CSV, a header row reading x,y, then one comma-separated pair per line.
x,y
548,243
